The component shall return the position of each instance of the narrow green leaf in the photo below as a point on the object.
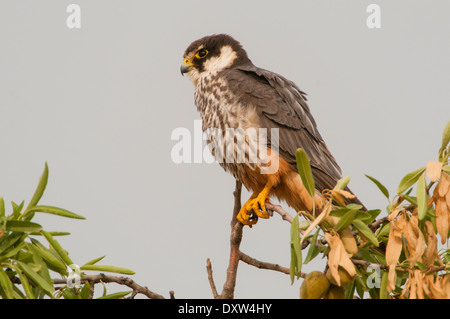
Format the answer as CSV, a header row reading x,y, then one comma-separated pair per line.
x,y
340,212
25,284
11,240
365,231
39,190
108,269
313,251
3,220
57,247
16,210
6,284
354,206
12,252
68,293
22,226
116,295
409,180
363,216
421,197
85,291
295,244
361,283
41,268
445,138
380,256
104,289
55,211
384,294
350,290
18,294
94,261
53,233
293,264
446,169
380,186
36,278
342,183
368,216
345,220
411,199
2,207
367,255
52,262
25,256
304,169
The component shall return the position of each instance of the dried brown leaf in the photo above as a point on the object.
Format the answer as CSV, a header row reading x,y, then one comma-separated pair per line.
x,y
447,200
444,185
346,235
393,215
392,278
419,282
430,254
415,239
394,245
338,257
412,288
419,249
333,256
323,215
343,193
437,287
447,286
433,170
442,217
349,241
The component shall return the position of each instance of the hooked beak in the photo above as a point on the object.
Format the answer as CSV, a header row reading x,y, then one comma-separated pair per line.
x,y
186,66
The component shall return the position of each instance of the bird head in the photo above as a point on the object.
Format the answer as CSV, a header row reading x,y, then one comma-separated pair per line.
x,y
212,54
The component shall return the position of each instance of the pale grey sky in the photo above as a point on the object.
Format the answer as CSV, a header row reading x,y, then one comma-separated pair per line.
x,y
99,104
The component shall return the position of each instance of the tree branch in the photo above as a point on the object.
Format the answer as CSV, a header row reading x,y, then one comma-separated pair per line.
x,y
278,209
265,265
211,279
235,242
95,279
374,226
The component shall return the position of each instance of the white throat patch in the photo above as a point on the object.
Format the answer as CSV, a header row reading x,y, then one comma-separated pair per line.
x,y
221,62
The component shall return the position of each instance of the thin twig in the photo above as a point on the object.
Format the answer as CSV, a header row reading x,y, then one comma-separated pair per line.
x,y
265,265
211,279
94,279
237,203
374,226
278,209
366,264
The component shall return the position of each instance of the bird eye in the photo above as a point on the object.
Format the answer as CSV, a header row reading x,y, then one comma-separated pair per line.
x,y
201,53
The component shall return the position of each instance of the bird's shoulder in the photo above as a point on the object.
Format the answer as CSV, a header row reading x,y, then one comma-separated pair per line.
x,y
276,97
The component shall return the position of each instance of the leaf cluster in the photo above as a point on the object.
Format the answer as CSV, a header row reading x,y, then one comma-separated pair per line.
x,y
30,255
389,261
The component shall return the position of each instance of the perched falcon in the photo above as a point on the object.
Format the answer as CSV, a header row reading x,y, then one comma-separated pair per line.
x,y
232,93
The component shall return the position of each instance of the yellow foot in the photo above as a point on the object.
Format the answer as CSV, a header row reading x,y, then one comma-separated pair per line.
x,y
255,207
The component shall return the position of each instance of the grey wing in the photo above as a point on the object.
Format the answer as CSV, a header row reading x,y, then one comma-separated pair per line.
x,y
281,104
